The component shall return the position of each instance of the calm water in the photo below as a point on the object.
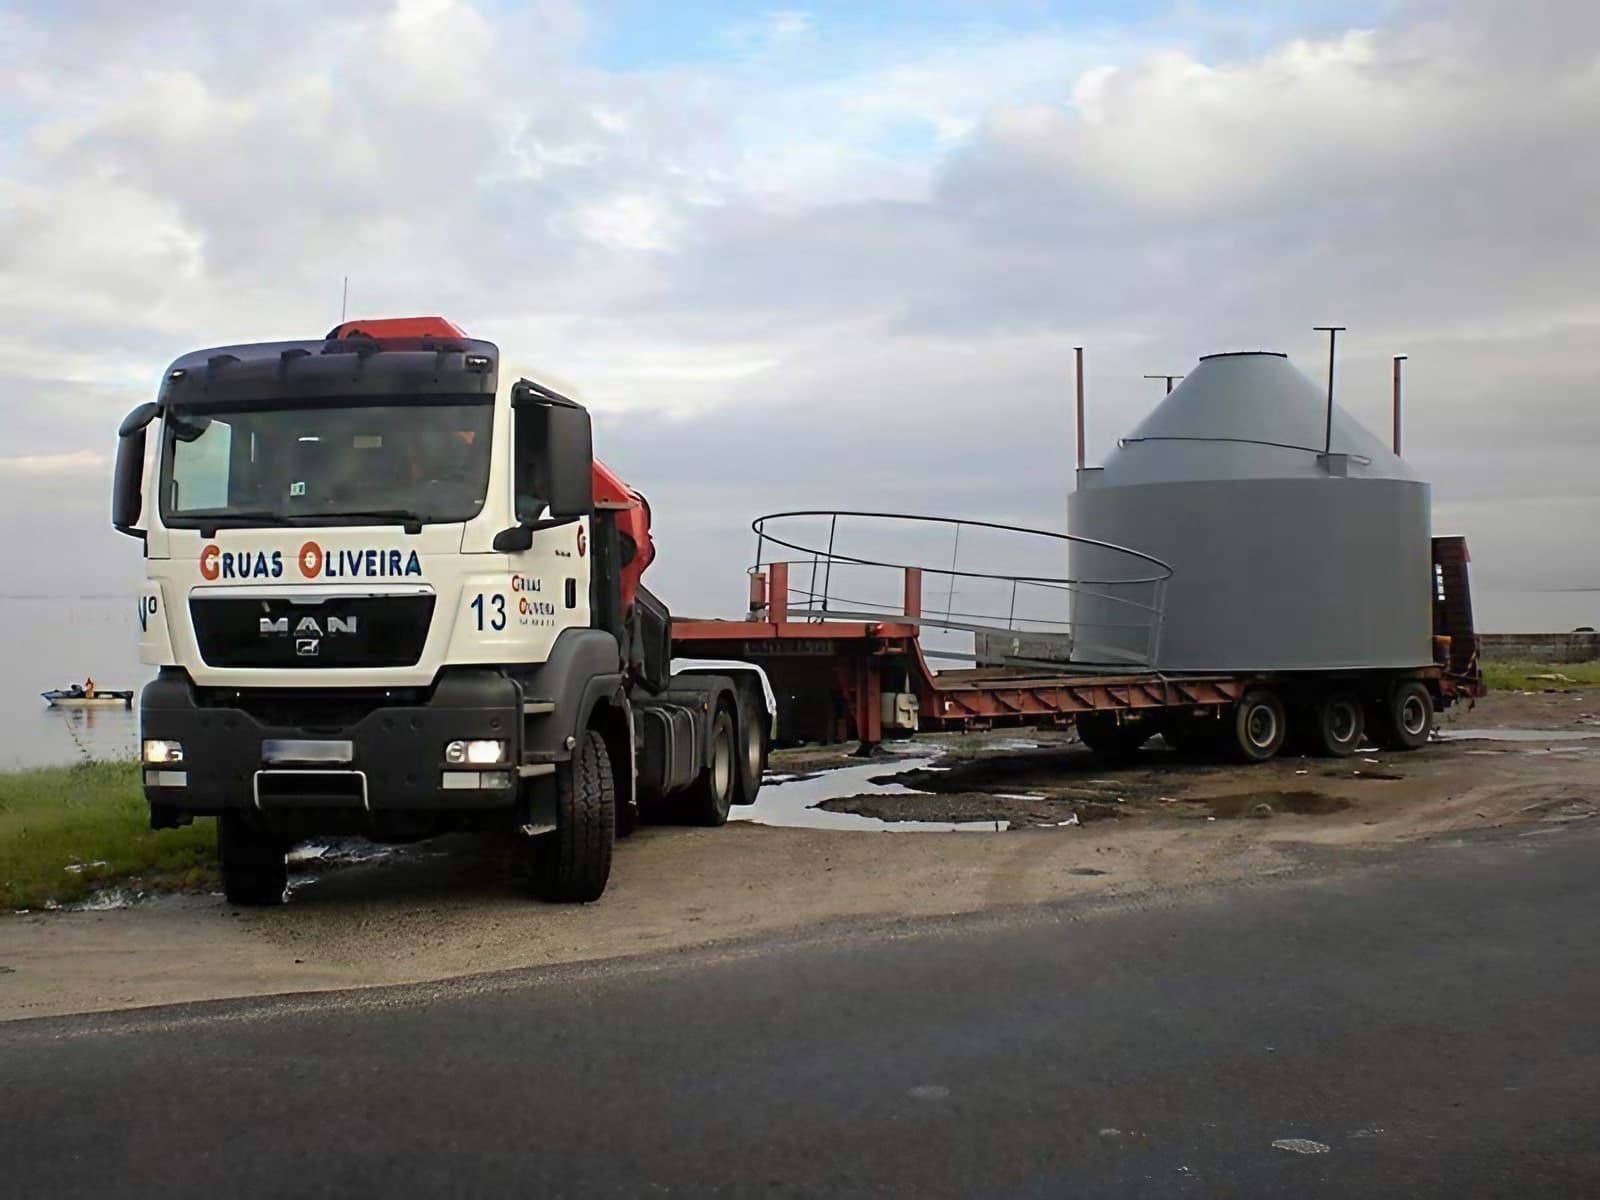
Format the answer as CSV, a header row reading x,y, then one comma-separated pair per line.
x,y
52,642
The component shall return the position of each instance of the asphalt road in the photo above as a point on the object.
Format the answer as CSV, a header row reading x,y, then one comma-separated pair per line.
x,y
1428,1015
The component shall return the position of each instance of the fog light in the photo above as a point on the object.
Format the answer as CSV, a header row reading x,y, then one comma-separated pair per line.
x,y
160,753
476,753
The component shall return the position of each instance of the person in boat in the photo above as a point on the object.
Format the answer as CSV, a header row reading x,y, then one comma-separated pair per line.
x,y
75,690
88,689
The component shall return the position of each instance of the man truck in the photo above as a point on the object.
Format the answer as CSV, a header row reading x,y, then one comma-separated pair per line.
x,y
390,592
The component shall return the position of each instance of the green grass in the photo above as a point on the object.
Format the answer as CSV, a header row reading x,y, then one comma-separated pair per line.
x,y
93,813
1516,676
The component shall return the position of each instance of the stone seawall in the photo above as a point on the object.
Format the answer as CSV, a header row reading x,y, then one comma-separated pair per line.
x,y
1540,647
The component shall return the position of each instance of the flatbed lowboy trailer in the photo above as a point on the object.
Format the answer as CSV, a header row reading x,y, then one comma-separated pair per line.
x,y
838,680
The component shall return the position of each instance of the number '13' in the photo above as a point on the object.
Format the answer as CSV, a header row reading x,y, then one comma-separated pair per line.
x,y
497,613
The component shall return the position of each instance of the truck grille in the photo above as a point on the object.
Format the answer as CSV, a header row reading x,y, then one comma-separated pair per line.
x,y
340,631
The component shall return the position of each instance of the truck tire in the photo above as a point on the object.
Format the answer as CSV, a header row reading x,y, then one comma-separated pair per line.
x,y
1408,717
255,871
1259,726
1114,741
1334,725
752,733
708,799
571,865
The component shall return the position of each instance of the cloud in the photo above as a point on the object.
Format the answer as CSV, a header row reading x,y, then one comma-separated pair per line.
x,y
53,464
813,267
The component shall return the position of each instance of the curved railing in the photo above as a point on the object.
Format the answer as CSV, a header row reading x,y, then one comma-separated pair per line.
x,y
1015,607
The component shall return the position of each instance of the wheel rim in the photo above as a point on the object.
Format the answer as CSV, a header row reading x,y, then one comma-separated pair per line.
x,y
1414,715
1342,721
752,747
1261,726
722,766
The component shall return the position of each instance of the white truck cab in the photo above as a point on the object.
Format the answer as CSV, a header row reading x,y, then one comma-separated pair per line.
x,y
386,595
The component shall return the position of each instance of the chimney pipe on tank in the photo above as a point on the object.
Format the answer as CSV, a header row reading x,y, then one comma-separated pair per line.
x,y
1077,352
1333,331
1398,359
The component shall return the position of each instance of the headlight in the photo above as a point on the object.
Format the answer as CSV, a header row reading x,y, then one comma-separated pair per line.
x,y
160,753
475,753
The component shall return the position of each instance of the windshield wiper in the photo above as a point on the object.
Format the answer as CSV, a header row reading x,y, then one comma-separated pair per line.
x,y
412,521
215,519
211,521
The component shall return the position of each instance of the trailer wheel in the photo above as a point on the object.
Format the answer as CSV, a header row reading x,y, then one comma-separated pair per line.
x,y
255,871
571,865
708,800
1335,725
1259,726
1408,717
752,733
1114,741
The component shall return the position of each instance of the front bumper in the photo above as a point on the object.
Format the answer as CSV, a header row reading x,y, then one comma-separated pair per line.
x,y
389,757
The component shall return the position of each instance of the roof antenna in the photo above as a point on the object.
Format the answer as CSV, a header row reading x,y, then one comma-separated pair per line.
x,y
1169,378
1333,331
344,299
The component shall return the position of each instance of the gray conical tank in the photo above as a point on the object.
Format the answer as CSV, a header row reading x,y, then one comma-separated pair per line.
x,y
1283,558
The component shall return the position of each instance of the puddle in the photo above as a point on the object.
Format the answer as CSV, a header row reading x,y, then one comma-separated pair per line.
x,y
794,804
311,862
1247,804
106,900
338,850
1515,735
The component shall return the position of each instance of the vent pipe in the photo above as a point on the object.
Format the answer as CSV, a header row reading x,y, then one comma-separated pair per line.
x,y
1398,359
1333,331
1077,352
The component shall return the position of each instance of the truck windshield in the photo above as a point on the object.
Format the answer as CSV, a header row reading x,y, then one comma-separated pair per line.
x,y
287,462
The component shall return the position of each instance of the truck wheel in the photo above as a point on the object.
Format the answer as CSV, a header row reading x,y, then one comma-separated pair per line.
x,y
571,865
1259,726
1335,725
707,801
1408,717
1113,741
752,748
255,871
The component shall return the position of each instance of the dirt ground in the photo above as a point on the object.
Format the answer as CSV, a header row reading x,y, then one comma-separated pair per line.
x,y
1047,779
449,908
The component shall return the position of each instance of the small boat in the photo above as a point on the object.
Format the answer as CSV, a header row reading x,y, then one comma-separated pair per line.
x,y
102,698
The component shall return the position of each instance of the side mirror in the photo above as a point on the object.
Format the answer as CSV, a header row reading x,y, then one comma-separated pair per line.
x,y
127,484
570,448
554,463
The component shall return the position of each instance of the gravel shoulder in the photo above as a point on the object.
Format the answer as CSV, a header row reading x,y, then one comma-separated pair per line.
x,y
448,908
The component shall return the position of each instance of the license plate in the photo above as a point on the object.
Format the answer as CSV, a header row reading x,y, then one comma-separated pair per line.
x,y
304,750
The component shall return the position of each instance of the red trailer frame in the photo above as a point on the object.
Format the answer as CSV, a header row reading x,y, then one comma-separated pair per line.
x,y
833,676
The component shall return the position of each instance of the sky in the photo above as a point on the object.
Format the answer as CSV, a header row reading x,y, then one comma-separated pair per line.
x,y
824,256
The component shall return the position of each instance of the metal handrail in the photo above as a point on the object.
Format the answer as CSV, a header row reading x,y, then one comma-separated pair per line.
x,y
817,605
758,527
